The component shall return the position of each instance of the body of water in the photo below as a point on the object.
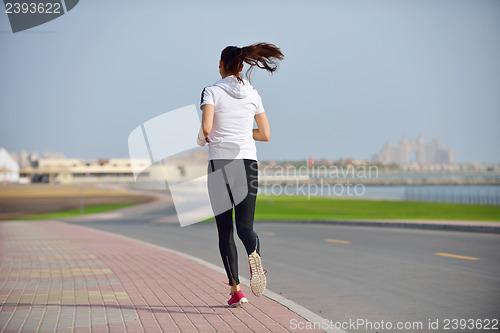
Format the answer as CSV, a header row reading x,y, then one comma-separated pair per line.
x,y
480,195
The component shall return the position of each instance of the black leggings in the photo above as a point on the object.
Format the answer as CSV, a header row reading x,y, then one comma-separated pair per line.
x,y
240,194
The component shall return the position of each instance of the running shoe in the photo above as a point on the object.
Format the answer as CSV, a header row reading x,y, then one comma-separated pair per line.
x,y
237,299
257,274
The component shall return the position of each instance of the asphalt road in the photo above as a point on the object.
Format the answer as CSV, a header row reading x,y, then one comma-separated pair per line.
x,y
348,274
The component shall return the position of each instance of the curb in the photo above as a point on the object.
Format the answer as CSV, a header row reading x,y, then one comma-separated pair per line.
x,y
291,305
425,225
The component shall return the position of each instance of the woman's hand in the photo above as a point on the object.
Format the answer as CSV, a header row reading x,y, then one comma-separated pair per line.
x,y
202,140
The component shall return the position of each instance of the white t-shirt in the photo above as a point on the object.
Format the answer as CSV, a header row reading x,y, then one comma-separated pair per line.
x,y
235,105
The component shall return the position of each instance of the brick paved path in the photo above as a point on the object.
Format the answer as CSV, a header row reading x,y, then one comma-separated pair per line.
x,y
57,277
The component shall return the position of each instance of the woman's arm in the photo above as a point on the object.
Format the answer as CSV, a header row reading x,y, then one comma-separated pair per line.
x,y
262,132
207,118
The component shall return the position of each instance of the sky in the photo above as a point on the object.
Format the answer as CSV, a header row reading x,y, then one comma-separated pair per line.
x,y
356,74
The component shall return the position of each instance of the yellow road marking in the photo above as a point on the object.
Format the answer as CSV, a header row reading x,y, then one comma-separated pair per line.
x,y
455,256
268,233
336,241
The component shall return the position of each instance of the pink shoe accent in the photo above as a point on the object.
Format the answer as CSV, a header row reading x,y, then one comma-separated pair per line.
x,y
237,299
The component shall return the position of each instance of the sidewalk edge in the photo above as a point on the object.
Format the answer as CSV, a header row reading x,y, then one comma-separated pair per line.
x,y
294,307
398,224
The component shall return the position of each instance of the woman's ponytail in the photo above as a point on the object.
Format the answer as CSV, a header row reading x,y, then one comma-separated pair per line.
x,y
262,55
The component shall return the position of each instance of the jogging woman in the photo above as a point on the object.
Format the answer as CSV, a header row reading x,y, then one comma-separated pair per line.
x,y
229,108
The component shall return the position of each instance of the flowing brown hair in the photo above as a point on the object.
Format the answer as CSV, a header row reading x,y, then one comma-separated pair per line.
x,y
262,55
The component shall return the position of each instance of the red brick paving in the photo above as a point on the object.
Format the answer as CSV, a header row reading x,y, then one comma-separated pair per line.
x,y
81,280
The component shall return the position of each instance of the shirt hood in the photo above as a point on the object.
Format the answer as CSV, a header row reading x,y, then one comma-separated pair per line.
x,y
233,87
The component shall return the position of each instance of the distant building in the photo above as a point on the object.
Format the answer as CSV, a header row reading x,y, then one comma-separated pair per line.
x,y
416,152
58,169
9,169
66,170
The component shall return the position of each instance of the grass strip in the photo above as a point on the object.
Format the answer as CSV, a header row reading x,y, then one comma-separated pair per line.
x,y
322,208
76,212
